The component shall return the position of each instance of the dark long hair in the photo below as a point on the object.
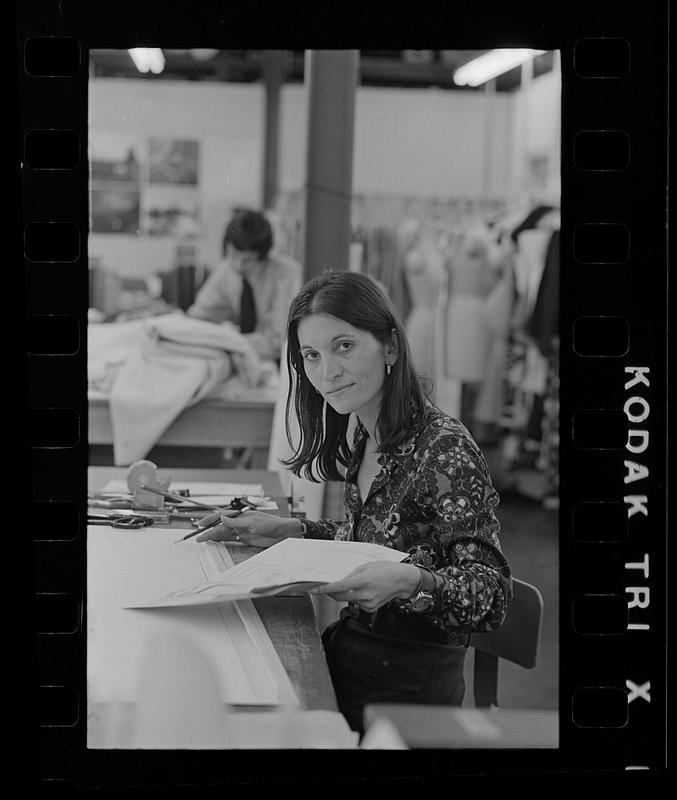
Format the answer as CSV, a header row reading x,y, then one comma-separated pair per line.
x,y
358,300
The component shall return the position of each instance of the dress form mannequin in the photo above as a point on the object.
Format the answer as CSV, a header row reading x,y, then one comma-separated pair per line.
x,y
423,270
468,333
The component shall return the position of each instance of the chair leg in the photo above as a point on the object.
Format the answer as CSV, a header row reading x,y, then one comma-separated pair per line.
x,y
485,680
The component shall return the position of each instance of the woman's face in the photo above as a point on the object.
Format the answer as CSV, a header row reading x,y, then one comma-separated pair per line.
x,y
345,364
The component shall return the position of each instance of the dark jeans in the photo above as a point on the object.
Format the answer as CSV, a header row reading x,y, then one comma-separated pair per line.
x,y
400,661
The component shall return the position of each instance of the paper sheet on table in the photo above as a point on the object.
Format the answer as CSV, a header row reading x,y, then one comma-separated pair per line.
x,y
197,489
293,565
121,563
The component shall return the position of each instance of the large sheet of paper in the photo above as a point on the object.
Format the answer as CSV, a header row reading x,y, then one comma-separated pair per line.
x,y
292,565
230,638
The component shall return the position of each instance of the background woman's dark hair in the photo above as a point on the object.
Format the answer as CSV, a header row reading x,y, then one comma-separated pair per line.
x,y
249,230
358,300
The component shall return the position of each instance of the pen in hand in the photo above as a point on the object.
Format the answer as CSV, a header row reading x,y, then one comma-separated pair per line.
x,y
211,525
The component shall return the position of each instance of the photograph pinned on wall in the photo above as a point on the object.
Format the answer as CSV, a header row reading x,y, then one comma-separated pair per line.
x,y
171,211
114,208
173,161
115,157
115,172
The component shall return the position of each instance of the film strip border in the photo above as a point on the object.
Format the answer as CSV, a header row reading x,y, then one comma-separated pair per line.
x,y
613,407
613,428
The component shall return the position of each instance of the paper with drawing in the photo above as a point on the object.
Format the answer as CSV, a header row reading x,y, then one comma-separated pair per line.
x,y
291,565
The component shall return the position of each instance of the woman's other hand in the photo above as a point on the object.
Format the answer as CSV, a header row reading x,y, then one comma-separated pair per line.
x,y
373,585
255,528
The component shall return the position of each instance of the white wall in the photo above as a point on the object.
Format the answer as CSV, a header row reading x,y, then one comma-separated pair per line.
x,y
227,119
411,141
536,131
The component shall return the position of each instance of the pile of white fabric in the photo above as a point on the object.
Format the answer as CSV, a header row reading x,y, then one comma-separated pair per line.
x,y
152,369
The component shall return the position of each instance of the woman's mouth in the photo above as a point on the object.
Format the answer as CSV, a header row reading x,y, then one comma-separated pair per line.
x,y
334,392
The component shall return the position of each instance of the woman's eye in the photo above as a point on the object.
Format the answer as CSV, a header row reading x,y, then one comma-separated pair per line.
x,y
310,355
344,346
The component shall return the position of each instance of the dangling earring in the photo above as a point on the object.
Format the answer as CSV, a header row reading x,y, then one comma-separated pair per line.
x,y
388,369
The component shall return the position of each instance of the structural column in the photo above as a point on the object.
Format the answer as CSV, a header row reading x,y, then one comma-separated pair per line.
x,y
331,77
274,67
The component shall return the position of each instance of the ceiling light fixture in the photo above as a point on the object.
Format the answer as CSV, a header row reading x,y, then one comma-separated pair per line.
x,y
148,59
491,65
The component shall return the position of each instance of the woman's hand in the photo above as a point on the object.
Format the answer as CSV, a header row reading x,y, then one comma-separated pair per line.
x,y
373,585
255,528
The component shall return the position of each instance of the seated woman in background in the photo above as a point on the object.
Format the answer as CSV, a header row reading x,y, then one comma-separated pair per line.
x,y
414,480
251,287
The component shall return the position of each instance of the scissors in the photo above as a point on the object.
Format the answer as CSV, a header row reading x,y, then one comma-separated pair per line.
x,y
119,521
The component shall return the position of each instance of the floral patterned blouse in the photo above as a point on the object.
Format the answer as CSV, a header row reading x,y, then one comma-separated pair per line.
x,y
433,498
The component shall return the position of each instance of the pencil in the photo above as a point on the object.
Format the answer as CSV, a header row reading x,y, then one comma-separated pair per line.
x,y
211,525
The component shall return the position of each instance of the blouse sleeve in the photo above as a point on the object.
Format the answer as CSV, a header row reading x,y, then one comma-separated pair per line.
x,y
472,580
319,529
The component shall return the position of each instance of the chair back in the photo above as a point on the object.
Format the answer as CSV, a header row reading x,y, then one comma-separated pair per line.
x,y
517,640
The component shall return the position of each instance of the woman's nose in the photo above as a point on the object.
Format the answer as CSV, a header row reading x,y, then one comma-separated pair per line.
x,y
331,369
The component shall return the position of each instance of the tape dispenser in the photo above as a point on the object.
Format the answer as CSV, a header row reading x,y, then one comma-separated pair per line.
x,y
142,475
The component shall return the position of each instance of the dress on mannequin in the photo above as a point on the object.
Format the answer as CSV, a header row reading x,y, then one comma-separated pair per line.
x,y
423,270
467,330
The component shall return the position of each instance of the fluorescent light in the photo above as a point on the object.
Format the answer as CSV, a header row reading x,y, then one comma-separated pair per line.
x,y
148,59
491,64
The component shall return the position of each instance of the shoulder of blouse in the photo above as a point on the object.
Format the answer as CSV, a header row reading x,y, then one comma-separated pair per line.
x,y
434,423
436,427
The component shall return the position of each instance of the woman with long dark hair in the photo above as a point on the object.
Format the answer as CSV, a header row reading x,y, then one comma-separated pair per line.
x,y
414,480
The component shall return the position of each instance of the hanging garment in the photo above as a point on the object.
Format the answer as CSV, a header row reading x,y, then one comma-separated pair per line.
x,y
468,334
549,461
499,305
530,221
424,274
529,261
543,323
514,410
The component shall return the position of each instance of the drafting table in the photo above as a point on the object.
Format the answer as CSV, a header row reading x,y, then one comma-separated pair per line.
x,y
289,621
210,423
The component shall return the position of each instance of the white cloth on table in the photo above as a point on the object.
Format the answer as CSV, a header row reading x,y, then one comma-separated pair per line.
x,y
151,389
158,367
